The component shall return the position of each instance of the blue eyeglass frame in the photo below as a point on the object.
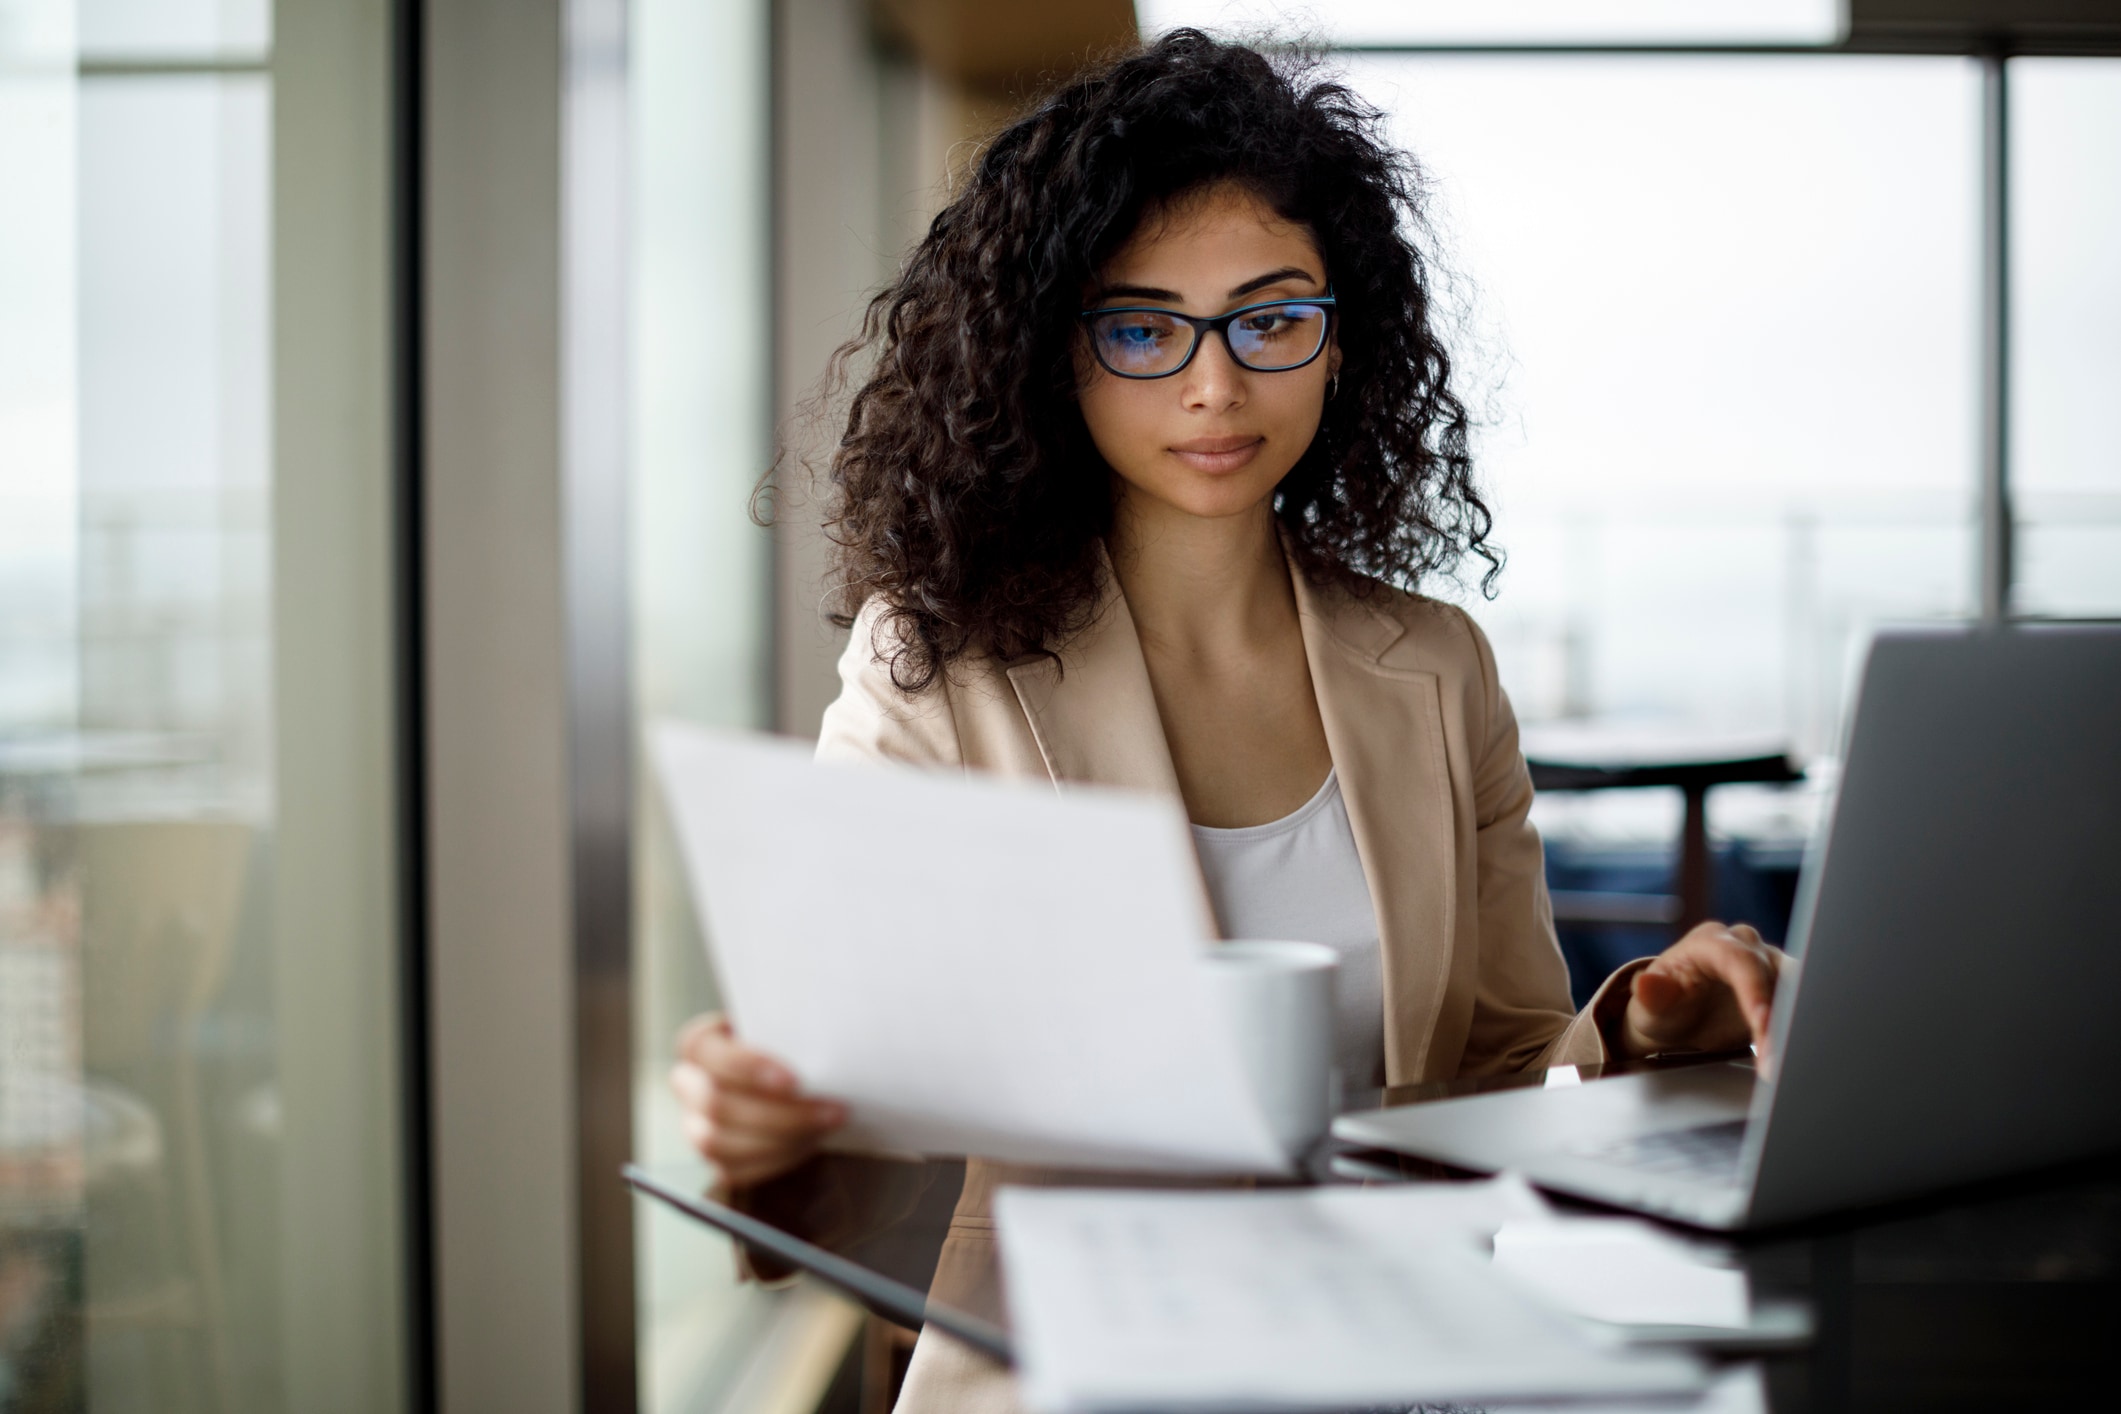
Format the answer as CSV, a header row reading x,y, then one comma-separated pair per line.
x,y
1220,325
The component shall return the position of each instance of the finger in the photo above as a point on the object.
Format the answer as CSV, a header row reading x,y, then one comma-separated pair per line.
x,y
725,1147
1708,935
1658,990
1747,970
736,1065
1700,958
730,1150
739,1112
1681,962
691,1085
698,1130
1675,995
1674,977
693,1035
709,1042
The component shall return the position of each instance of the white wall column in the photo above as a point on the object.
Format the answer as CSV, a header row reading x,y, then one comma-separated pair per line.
x,y
527,748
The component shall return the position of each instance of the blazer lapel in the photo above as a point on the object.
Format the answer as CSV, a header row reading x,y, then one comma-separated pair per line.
x,y
1093,712
1384,727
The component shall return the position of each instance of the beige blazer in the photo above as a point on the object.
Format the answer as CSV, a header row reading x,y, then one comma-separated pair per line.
x,y
1425,746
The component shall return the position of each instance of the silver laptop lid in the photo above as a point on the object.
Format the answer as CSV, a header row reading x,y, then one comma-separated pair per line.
x,y
1959,928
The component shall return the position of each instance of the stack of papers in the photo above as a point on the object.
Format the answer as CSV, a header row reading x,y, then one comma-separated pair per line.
x,y
1305,1299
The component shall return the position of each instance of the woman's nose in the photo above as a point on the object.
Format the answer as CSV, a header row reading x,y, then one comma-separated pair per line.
x,y
1213,381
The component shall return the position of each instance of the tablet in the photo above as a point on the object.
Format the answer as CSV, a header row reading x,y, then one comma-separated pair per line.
x,y
893,1300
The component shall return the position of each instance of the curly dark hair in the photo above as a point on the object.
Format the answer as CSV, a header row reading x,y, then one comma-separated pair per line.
x,y
965,493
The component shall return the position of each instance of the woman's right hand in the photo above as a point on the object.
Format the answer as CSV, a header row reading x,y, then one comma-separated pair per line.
x,y
743,1110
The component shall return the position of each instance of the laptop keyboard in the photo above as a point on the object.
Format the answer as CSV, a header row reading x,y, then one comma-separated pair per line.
x,y
1707,1153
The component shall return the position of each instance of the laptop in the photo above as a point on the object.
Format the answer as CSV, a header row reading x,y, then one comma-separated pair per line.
x,y
1958,943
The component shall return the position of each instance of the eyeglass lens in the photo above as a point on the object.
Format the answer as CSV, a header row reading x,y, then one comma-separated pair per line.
x,y
1146,342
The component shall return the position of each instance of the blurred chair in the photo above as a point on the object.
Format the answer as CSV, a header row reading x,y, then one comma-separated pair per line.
x,y
1588,757
161,902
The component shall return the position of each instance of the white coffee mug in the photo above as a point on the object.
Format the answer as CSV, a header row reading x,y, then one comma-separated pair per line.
x,y
1278,997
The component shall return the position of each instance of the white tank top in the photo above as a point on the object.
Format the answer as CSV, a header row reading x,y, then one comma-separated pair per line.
x,y
1300,878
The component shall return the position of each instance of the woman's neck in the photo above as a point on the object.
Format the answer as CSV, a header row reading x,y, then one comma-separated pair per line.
x,y
1201,587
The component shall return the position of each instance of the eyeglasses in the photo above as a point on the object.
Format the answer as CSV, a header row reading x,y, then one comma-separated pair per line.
x,y
1144,341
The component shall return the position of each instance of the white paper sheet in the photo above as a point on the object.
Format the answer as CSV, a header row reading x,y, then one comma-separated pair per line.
x,y
1736,1389
1622,1271
975,967
1305,1299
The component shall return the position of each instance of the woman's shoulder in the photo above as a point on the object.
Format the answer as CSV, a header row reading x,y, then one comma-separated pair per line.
x,y
1424,638
950,717
1415,631
966,715
876,716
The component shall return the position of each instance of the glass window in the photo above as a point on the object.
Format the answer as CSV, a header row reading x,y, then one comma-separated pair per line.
x,y
153,30
2066,334
701,325
1520,21
173,850
198,929
41,1153
1718,315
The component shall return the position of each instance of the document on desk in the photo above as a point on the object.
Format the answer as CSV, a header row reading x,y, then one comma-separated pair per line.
x,y
1623,1272
974,966
1302,1299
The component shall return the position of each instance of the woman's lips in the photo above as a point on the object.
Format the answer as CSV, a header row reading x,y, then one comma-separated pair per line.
x,y
1218,454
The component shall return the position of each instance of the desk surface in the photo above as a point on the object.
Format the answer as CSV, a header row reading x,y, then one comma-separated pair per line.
x,y
2004,1296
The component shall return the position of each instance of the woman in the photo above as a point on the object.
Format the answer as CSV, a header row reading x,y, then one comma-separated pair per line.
x,y
1159,439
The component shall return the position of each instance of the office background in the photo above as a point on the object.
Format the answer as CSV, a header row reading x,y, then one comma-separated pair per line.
x,y
383,384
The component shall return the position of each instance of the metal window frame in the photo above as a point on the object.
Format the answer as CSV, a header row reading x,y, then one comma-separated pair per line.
x,y
408,388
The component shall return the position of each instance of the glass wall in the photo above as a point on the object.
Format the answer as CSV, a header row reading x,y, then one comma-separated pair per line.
x,y
702,340
1718,318
2065,159
43,1180
171,888
174,847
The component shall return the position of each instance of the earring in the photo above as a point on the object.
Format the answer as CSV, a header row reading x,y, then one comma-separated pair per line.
x,y
1332,387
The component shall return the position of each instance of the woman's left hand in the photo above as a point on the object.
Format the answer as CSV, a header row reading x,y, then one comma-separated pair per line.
x,y
1713,990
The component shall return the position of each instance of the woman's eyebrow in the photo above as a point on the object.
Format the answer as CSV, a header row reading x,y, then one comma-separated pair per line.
x,y
1275,277
1150,292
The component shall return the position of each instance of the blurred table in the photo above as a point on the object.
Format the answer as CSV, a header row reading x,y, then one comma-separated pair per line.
x,y
1592,756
